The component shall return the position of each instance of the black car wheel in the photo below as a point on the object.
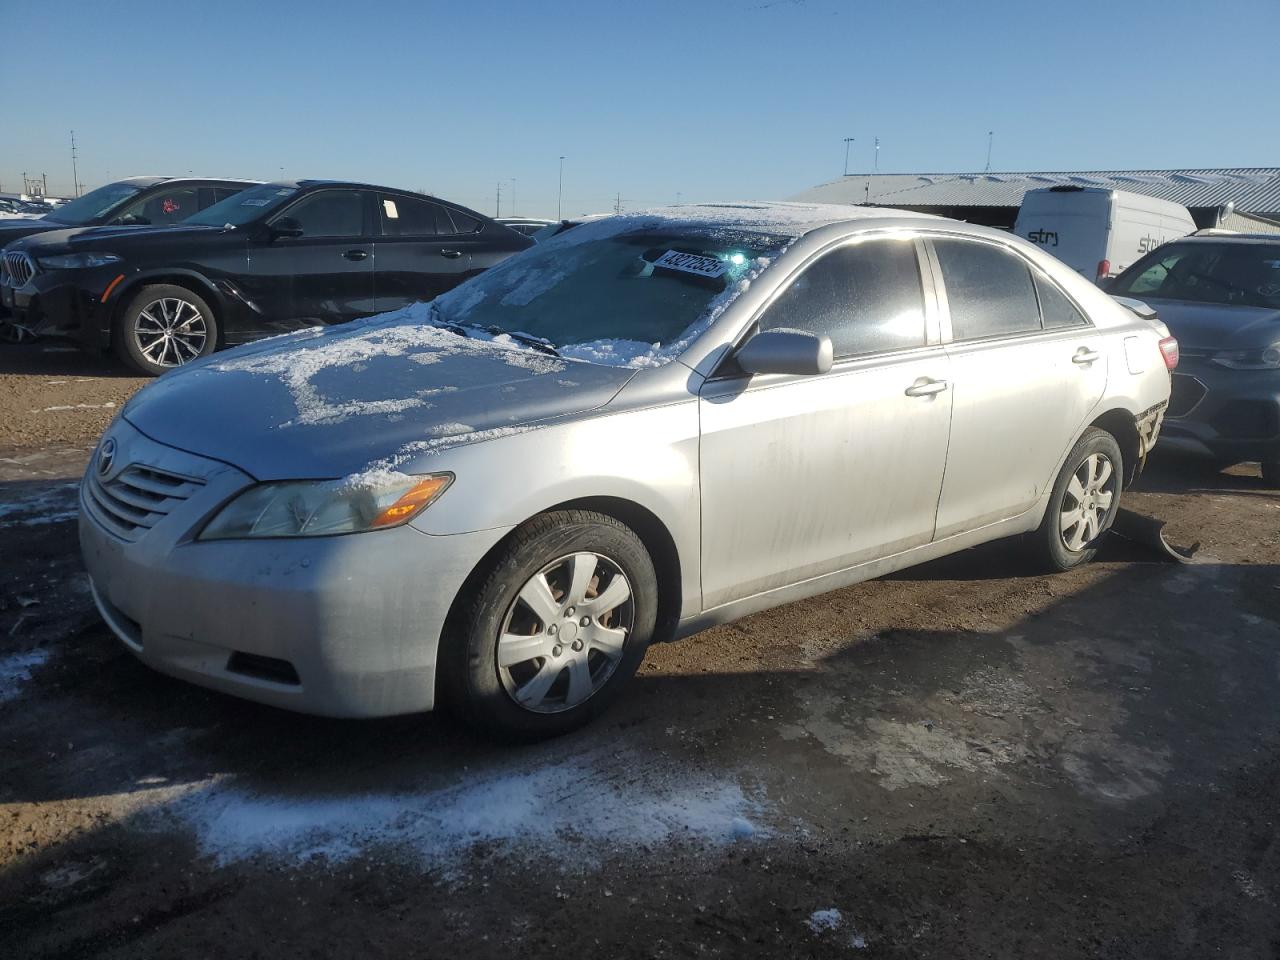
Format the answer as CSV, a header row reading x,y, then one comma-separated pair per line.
x,y
554,631
164,326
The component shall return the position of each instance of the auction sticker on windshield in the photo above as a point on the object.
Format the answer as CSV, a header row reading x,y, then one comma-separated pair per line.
x,y
691,263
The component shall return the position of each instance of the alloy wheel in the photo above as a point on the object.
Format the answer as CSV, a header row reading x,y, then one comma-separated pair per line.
x,y
1086,501
563,635
170,332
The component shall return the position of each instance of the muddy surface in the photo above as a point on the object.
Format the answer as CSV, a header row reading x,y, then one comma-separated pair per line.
x,y
962,760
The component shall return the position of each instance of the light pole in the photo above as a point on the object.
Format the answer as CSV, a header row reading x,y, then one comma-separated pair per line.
x,y
847,141
513,196
560,195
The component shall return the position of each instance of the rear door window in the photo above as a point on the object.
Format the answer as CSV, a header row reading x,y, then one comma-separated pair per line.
x,y
1056,310
411,217
866,297
989,290
161,209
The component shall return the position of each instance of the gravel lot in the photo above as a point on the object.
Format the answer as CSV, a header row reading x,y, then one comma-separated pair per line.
x,y
958,761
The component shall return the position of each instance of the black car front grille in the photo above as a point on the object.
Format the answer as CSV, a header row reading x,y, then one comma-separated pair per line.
x,y
137,498
19,267
1186,391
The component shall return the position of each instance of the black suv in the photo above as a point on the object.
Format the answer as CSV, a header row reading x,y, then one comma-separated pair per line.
x,y
140,201
274,258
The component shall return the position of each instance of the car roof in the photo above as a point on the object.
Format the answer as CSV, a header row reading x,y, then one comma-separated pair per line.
x,y
152,181
1254,238
359,185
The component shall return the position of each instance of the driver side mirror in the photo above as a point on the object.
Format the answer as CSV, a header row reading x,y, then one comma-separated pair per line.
x,y
286,227
786,351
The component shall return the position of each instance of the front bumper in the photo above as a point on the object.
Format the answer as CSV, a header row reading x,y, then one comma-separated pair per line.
x,y
1229,415
339,626
62,303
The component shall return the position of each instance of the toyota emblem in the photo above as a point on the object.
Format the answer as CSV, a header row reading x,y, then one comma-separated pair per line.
x,y
106,457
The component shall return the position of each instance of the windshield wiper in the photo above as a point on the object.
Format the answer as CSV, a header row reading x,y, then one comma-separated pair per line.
x,y
529,340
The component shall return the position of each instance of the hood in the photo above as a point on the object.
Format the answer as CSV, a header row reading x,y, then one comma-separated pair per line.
x,y
323,404
66,239
11,230
1212,326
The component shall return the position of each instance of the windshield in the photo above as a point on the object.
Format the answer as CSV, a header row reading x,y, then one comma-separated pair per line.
x,y
614,299
95,204
243,207
1240,274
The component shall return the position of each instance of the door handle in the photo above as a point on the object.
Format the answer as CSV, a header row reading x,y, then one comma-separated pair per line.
x,y
451,254
924,387
356,254
1085,355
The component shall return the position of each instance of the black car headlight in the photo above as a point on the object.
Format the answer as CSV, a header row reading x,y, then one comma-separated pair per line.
x,y
77,261
1265,358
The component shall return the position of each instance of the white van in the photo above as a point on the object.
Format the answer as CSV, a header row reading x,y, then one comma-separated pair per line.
x,y
1099,232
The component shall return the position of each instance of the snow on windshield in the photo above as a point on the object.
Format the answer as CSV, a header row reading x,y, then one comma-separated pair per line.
x,y
532,279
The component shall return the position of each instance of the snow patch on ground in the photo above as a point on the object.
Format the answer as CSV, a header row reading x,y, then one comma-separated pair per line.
x,y
52,504
15,672
822,920
576,810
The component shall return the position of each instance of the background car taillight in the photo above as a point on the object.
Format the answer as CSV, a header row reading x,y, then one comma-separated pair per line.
x,y
1169,350
1104,268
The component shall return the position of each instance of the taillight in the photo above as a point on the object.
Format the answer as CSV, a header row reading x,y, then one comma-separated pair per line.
x,y
1104,268
1169,350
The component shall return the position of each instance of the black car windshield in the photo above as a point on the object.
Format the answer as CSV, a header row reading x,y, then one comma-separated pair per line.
x,y
1239,274
95,204
243,207
615,298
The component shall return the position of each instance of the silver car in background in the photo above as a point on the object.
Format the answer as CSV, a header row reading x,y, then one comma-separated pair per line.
x,y
644,426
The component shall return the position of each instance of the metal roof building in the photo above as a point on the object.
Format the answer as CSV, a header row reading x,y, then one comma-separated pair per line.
x,y
994,198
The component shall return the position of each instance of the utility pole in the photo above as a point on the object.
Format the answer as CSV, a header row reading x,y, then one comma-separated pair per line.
x,y
513,196
875,165
560,195
617,203
990,136
75,177
498,205
847,141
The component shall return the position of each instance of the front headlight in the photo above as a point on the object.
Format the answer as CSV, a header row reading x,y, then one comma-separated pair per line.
x,y
1266,358
77,261
323,508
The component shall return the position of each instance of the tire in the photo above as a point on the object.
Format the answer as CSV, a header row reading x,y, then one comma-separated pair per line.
x,y
505,669
1061,547
164,327
1271,473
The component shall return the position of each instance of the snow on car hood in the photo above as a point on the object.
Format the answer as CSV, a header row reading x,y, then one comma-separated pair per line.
x,y
1214,326
327,403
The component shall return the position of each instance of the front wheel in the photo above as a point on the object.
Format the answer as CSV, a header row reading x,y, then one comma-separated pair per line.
x,y
1083,504
163,327
555,630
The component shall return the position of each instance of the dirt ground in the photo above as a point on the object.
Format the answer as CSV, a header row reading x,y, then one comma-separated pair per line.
x,y
962,760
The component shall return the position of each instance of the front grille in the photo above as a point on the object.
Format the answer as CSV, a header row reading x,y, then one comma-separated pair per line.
x,y
19,267
1186,391
137,498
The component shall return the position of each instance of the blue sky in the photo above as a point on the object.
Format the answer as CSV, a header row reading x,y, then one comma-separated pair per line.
x,y
708,100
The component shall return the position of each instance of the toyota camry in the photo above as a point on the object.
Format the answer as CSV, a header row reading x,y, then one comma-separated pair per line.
x,y
646,425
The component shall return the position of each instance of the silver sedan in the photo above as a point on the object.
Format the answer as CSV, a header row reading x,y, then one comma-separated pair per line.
x,y
647,425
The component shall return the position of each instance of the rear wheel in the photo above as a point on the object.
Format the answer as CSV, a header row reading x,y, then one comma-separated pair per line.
x,y
555,630
163,327
1083,504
